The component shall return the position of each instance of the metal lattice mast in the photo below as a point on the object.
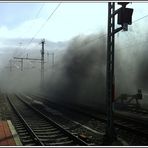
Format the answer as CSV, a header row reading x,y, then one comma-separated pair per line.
x,y
42,63
124,19
110,71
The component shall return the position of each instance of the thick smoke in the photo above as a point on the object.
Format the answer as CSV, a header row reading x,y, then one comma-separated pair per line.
x,y
131,64
81,76
29,79
19,81
79,71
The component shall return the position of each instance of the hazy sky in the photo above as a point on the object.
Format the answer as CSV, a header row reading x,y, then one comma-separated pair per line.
x,y
24,20
70,19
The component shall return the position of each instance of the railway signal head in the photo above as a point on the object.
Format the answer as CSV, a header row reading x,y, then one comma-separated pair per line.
x,y
124,16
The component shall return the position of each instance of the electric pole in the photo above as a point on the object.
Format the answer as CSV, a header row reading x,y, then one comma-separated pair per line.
x,y
52,63
33,59
42,63
21,64
124,19
48,58
11,62
20,61
110,132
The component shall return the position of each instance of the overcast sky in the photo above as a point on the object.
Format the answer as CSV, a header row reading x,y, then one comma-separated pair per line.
x,y
24,20
70,19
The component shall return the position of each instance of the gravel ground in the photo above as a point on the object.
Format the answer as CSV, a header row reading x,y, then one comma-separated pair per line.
x,y
127,137
4,108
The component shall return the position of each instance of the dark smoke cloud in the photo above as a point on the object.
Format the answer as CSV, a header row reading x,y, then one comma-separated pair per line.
x,y
142,70
131,63
82,74
81,78
79,72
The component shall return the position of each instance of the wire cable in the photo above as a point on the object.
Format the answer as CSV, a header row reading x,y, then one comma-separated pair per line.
x,y
30,26
91,41
140,18
43,25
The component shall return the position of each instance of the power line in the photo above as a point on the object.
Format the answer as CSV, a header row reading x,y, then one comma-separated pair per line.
x,y
106,34
37,14
91,41
140,18
43,25
39,10
100,37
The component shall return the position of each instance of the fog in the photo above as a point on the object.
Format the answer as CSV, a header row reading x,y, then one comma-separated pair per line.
x,y
79,71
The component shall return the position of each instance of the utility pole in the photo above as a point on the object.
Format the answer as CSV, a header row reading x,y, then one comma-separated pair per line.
x,y
11,62
21,64
42,63
48,58
34,59
52,63
124,19
20,61
110,132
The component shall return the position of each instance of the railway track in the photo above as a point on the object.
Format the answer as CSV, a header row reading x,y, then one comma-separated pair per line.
x,y
129,124
132,108
137,110
80,129
38,129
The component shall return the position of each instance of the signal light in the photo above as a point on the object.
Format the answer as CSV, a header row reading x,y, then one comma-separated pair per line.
x,y
125,16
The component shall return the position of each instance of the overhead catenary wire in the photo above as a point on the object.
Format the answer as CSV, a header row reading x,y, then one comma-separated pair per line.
x,y
102,36
43,25
35,17
39,11
89,42
30,26
140,18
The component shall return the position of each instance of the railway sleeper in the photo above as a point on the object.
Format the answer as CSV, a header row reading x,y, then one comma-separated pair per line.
x,y
30,144
48,132
66,128
22,131
18,126
40,126
27,141
38,122
47,139
50,136
22,134
26,137
43,128
41,121
70,142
